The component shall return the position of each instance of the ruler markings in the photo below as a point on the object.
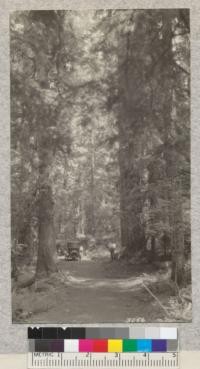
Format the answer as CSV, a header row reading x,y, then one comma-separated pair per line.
x,y
112,360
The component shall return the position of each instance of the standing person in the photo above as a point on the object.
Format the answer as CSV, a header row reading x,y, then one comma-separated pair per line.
x,y
112,248
81,252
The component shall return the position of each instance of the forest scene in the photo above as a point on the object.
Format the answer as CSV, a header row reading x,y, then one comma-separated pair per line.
x,y
100,166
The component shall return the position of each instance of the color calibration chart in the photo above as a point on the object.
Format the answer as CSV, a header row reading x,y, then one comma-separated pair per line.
x,y
105,347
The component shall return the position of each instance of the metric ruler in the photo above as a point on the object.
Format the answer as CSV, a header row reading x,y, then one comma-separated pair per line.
x,y
53,360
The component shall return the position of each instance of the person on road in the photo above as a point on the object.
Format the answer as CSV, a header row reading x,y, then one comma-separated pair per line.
x,y
112,248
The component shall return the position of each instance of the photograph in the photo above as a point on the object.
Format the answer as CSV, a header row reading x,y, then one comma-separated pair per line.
x,y
100,166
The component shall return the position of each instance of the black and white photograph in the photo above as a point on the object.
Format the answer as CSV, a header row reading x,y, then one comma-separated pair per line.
x,y
100,166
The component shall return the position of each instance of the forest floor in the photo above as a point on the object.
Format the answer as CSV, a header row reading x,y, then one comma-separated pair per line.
x,y
95,291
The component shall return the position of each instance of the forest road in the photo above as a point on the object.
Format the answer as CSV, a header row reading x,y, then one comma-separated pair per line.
x,y
98,291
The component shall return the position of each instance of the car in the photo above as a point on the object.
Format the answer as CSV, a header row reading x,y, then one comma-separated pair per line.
x,y
74,250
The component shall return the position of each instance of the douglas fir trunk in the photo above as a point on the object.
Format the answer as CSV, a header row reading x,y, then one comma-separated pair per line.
x,y
46,249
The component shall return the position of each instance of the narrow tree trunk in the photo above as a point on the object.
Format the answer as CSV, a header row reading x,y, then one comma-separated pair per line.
x,y
91,203
178,256
124,216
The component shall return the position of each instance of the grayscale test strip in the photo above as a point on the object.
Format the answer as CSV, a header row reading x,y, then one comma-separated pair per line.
x,y
135,332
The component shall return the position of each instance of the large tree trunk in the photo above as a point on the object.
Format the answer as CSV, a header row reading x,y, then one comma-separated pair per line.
x,y
130,204
172,171
46,263
46,249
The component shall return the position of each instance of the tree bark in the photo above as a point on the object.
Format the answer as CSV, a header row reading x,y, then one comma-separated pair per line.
x,y
46,263
130,204
171,158
124,215
178,256
90,208
46,249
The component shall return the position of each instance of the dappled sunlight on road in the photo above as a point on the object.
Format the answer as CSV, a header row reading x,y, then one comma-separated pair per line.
x,y
130,284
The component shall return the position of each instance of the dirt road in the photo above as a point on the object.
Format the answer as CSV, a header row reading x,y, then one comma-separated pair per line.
x,y
96,292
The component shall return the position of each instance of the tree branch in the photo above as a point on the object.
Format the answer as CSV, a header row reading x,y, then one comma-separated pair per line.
x,y
181,68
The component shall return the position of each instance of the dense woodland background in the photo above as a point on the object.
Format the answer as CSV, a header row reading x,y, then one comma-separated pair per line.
x,y
100,134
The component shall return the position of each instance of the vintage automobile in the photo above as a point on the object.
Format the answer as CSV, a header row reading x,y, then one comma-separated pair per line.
x,y
73,250
70,250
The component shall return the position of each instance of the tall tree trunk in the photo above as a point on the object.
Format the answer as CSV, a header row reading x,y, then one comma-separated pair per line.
x,y
124,215
46,249
171,157
46,263
130,205
90,208
177,233
92,189
175,215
